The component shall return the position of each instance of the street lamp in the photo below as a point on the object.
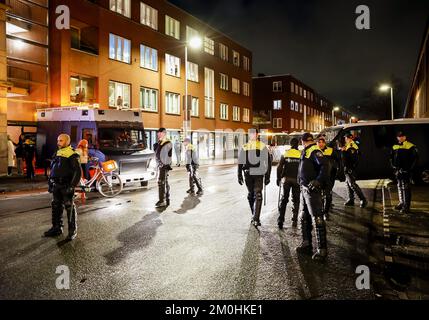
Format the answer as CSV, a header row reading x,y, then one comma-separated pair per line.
x,y
333,114
385,88
352,119
193,43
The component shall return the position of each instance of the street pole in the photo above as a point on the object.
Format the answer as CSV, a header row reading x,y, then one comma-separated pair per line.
x,y
391,103
333,116
185,122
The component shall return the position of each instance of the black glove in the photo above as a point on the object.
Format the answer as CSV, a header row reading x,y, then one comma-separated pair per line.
x,y
314,185
267,181
51,185
278,182
240,179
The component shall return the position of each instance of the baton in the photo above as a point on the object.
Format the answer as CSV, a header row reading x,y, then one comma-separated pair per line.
x,y
280,192
265,195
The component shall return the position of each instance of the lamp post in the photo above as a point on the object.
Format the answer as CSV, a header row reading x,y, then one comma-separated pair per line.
x,y
194,43
385,88
333,114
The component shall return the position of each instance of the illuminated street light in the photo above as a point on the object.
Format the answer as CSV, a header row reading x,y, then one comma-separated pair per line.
x,y
195,43
385,88
335,109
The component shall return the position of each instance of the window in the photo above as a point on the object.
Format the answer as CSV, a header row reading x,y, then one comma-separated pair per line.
x,y
235,58
148,16
246,89
121,6
296,89
246,63
84,39
277,86
292,105
296,107
223,111
292,123
119,48
192,71
224,82
148,58
82,89
172,65
148,99
305,94
172,27
191,33
209,99
292,87
195,106
246,115
277,123
235,113
209,46
300,124
172,103
235,85
300,91
119,95
301,109
277,104
223,52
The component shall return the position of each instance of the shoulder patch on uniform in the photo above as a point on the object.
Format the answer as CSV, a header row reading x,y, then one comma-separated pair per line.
x,y
319,154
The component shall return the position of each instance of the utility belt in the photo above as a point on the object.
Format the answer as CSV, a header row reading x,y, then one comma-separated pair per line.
x,y
60,181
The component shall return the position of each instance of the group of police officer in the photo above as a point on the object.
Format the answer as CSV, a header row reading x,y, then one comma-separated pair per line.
x,y
308,175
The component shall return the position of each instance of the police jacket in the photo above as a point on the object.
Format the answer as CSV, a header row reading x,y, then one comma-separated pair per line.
x,y
65,167
312,166
288,165
350,156
163,153
404,156
332,159
255,159
191,155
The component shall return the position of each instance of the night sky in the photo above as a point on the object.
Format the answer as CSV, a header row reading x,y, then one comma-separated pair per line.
x,y
317,42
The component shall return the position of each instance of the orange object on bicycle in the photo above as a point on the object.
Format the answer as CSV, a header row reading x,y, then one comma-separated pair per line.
x,y
109,166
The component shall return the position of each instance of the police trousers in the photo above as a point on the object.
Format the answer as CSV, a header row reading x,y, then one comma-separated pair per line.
x,y
255,185
63,200
289,186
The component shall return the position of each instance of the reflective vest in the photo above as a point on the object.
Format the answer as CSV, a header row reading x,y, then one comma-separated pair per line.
x,y
292,153
406,145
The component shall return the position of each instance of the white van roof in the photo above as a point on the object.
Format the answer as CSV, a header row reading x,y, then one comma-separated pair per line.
x,y
384,122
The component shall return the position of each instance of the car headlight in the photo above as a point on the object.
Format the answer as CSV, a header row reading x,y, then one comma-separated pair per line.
x,y
152,164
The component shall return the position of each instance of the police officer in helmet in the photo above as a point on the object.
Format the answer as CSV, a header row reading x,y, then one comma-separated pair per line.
x,y
192,165
287,173
350,157
255,161
403,159
64,177
312,176
163,152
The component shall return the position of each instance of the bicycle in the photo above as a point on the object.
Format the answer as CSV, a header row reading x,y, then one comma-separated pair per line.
x,y
107,182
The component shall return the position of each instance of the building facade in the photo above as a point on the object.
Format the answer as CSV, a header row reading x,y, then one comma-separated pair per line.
x,y
127,54
282,103
417,105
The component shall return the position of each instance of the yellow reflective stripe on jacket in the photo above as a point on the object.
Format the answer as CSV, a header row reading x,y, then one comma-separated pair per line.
x,y
66,152
309,151
164,141
406,145
254,145
292,153
328,151
190,147
352,145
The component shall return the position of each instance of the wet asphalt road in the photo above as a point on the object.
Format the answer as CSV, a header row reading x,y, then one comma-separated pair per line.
x,y
198,248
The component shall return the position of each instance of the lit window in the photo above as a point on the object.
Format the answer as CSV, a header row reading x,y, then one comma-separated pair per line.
x,y
119,48
277,86
235,85
195,105
277,123
172,27
246,115
148,16
172,103
223,52
246,63
236,58
209,98
121,6
172,65
246,89
223,111
119,95
148,58
292,105
148,99
235,113
192,71
224,82
277,104
209,46
292,87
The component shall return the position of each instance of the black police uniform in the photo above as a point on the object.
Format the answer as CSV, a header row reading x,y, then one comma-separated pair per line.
x,y
312,176
255,160
332,162
350,158
64,177
163,152
192,165
288,169
404,158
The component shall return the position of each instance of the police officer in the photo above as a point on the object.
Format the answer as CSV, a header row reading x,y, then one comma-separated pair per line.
x,y
332,162
163,151
287,173
350,157
312,176
64,177
192,165
255,161
404,158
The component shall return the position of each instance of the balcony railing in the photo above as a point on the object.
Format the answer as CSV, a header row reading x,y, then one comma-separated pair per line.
x,y
19,9
20,77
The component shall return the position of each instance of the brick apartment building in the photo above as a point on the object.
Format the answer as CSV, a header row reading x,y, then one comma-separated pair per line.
x,y
282,103
129,54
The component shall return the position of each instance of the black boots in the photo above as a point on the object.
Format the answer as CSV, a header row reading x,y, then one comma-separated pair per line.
x,y
72,225
322,244
54,232
306,246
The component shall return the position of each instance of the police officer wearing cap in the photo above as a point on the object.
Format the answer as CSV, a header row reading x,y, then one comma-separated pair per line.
x,y
404,157
350,158
192,165
163,152
312,176
287,173
332,162
64,177
255,161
